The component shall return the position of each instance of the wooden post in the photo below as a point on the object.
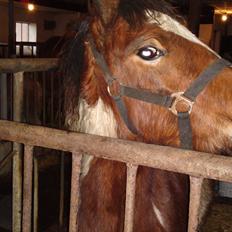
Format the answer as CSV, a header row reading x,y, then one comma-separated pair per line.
x,y
194,16
17,159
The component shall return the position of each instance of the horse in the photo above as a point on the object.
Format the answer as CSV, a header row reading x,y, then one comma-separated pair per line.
x,y
135,72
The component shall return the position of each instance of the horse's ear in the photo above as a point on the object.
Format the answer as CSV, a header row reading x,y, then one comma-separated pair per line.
x,y
105,9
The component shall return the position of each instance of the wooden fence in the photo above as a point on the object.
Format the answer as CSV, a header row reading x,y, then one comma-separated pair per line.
x,y
195,164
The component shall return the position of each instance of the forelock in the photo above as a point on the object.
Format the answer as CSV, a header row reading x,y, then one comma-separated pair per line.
x,y
159,12
136,12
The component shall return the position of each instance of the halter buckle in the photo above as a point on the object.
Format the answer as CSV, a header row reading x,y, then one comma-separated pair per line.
x,y
181,104
114,89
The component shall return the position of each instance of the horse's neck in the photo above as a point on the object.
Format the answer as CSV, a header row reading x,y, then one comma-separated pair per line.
x,y
97,119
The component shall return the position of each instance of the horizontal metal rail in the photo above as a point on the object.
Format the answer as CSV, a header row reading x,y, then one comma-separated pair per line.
x,y
192,163
27,65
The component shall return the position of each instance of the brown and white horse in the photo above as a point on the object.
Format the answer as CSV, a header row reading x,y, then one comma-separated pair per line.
x,y
145,47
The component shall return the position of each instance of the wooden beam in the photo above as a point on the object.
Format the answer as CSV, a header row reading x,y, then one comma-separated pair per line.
x,y
27,64
194,16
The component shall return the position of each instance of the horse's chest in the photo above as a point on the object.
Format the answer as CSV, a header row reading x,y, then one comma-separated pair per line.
x,y
97,120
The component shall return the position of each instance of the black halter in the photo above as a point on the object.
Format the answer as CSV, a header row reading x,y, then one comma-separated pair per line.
x,y
171,101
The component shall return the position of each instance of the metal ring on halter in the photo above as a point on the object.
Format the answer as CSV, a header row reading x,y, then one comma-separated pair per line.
x,y
110,84
178,97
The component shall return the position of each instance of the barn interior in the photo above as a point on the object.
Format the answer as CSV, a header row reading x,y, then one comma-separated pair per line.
x,y
38,29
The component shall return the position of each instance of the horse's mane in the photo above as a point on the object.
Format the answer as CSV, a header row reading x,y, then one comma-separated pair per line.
x,y
73,51
71,67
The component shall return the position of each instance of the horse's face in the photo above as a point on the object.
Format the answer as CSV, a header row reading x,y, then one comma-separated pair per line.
x,y
162,58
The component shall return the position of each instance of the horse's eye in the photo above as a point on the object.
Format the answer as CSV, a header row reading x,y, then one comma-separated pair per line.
x,y
149,53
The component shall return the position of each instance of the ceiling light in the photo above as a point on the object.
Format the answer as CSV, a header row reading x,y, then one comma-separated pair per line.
x,y
224,17
30,6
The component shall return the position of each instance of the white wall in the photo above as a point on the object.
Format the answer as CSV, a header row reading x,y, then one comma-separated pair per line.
x,y
38,16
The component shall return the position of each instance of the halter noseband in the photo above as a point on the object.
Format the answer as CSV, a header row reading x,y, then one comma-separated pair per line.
x,y
184,100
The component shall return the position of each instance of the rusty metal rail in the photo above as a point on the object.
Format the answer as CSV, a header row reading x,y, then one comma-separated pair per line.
x,y
192,163
196,164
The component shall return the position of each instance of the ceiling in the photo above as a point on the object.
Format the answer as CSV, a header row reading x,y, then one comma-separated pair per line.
x,y
72,5
220,3
81,5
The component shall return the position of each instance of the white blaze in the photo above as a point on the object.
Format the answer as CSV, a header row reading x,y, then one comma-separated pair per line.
x,y
169,24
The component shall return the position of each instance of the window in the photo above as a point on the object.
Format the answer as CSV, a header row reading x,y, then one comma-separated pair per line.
x,y
26,32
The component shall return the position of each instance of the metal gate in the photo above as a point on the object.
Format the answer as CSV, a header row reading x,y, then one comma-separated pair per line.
x,y
195,164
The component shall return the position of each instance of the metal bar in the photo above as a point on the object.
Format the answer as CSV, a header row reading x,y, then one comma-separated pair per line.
x,y
27,64
26,95
17,158
44,98
52,100
21,50
17,190
192,163
75,191
130,197
35,196
36,99
59,81
3,97
35,95
194,204
62,173
18,83
27,188
10,96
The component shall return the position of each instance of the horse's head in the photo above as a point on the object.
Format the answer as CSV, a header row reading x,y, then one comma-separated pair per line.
x,y
145,47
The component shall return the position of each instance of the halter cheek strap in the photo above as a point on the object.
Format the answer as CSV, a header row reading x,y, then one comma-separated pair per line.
x,y
180,103
191,93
